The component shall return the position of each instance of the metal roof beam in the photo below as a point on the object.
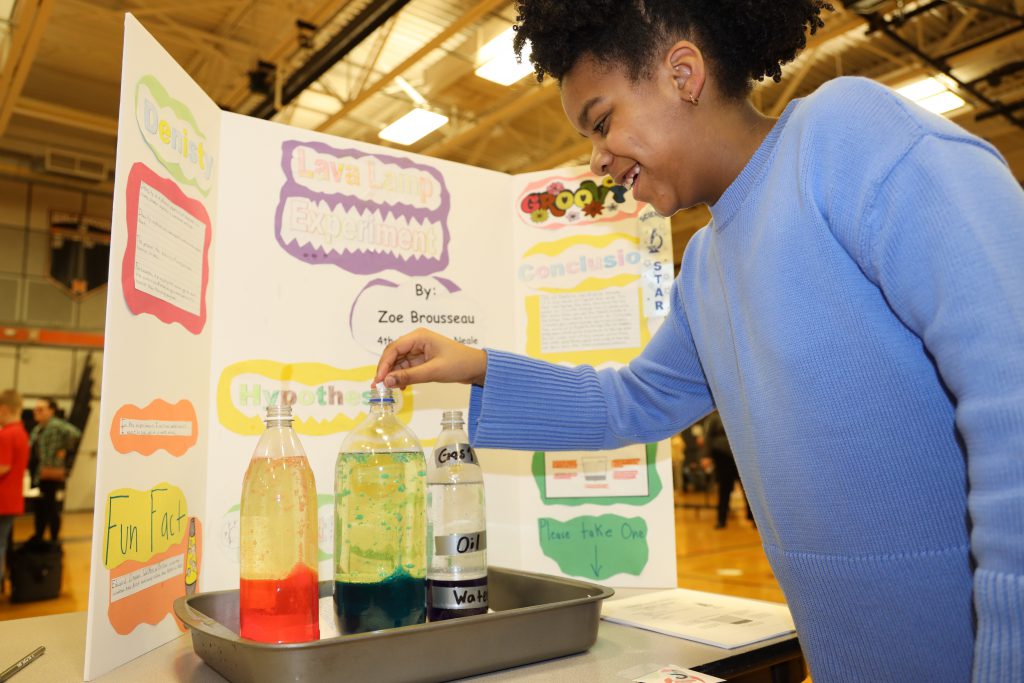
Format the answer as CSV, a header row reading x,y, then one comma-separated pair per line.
x,y
939,64
980,42
66,116
520,102
471,15
997,11
29,23
287,46
372,17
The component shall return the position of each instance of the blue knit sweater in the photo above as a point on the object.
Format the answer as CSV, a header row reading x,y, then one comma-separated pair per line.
x,y
855,311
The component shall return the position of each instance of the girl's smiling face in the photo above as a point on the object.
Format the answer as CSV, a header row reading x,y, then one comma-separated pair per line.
x,y
637,132
642,131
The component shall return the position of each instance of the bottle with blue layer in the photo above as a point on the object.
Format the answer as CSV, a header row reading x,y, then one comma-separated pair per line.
x,y
380,527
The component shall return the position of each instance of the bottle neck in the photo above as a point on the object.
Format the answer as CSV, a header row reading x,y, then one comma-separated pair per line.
x,y
452,419
278,416
382,408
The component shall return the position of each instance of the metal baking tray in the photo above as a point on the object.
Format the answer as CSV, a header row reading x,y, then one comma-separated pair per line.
x,y
535,617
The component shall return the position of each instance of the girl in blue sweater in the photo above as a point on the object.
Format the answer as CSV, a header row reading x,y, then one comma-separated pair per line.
x,y
854,310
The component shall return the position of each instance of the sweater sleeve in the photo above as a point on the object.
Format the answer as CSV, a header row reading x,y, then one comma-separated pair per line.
x,y
6,457
531,404
946,247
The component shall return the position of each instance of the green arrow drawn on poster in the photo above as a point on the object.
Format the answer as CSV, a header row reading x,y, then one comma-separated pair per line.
x,y
596,566
596,547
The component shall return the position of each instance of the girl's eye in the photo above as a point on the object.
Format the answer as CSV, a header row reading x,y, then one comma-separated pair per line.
x,y
602,126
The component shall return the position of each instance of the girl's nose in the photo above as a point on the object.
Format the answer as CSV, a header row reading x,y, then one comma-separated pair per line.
x,y
600,161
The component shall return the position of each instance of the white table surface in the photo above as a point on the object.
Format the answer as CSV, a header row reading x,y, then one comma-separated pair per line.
x,y
620,654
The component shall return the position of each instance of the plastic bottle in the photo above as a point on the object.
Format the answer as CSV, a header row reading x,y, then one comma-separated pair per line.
x,y
380,528
279,596
457,579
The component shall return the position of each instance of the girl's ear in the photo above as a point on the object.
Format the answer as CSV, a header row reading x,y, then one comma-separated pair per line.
x,y
686,70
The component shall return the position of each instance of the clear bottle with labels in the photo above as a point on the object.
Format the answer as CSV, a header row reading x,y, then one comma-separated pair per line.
x,y
380,527
457,579
279,596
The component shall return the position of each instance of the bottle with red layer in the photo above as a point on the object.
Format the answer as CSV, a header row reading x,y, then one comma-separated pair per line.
x,y
279,597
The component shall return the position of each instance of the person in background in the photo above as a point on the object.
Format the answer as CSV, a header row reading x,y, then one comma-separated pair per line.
x,y
678,459
862,267
52,440
696,472
716,444
13,461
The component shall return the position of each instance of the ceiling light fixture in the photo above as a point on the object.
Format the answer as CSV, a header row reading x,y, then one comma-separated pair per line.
x,y
933,95
497,60
416,124
412,92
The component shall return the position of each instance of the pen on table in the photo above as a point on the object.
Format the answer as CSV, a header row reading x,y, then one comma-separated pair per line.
x,y
22,663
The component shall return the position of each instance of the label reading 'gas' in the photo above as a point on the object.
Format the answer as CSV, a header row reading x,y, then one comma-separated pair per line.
x,y
455,453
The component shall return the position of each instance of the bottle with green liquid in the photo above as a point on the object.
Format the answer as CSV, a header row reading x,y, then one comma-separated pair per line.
x,y
380,528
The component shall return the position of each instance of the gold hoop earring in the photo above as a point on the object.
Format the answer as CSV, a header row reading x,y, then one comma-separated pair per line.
x,y
693,100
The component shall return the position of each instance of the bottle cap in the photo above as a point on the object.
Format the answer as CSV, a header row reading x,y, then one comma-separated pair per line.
x,y
381,394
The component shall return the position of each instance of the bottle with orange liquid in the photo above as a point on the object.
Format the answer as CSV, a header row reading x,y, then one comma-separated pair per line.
x,y
279,597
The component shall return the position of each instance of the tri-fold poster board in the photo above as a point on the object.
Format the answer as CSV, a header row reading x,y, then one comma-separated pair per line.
x,y
254,263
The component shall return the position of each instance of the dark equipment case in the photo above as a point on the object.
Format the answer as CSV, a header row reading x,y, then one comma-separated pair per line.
x,y
36,569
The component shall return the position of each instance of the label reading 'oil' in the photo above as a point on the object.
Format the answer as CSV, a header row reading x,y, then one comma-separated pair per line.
x,y
460,544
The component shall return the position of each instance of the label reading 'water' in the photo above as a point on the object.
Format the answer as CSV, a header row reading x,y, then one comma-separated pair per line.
x,y
455,453
458,597
460,544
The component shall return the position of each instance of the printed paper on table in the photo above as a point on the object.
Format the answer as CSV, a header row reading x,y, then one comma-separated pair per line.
x,y
719,620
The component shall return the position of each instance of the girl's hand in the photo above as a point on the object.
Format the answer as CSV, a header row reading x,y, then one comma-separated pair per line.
x,y
425,356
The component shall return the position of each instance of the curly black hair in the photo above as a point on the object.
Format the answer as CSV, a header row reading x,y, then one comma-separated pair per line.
x,y
743,40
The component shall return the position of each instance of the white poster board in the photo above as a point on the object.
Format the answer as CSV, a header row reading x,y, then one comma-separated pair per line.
x,y
254,263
